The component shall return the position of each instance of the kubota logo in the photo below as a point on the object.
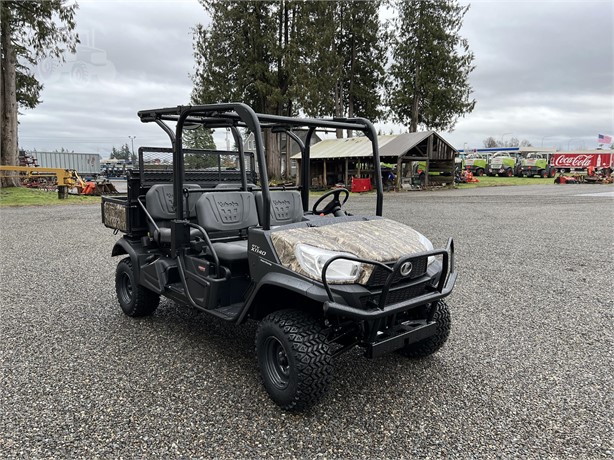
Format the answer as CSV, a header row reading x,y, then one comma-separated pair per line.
x,y
406,268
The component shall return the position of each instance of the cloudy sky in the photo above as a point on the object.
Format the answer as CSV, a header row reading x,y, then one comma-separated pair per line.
x,y
544,72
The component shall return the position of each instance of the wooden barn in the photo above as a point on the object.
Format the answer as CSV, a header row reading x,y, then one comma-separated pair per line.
x,y
337,161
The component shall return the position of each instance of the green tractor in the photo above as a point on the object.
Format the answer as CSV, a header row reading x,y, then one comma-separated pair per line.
x,y
504,164
536,164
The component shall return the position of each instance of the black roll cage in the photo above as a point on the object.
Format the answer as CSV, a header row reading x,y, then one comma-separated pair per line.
x,y
239,115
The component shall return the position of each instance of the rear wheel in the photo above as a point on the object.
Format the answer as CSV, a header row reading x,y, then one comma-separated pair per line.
x,y
134,299
294,358
431,344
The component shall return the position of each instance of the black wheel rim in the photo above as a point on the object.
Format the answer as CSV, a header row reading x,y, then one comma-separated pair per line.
x,y
277,363
125,289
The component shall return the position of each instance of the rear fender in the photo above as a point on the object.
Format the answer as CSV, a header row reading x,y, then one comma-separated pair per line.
x,y
123,246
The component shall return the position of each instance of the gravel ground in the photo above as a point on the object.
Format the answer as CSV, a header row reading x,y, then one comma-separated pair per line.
x,y
527,371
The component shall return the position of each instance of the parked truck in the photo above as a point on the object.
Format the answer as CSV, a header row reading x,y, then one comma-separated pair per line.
x,y
581,160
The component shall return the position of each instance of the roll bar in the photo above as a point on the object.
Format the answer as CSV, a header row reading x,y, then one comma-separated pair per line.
x,y
238,115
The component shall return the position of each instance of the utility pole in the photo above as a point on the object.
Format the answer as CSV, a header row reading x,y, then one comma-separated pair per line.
x,y
132,138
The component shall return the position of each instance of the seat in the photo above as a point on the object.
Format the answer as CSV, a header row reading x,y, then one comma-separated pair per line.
x,y
286,207
228,213
161,207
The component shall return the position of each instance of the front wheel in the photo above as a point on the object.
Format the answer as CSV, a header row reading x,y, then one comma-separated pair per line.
x,y
295,359
134,299
433,343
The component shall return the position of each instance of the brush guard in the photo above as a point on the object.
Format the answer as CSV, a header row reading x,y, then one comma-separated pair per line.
x,y
396,336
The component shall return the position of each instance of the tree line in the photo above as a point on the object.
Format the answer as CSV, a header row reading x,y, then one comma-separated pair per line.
x,y
491,142
337,58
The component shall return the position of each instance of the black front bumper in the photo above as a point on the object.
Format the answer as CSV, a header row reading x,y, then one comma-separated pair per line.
x,y
443,289
396,336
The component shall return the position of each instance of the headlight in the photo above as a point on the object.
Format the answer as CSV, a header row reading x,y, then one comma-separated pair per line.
x,y
312,260
428,247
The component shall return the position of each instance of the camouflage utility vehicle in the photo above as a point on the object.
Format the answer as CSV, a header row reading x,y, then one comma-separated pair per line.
x,y
212,234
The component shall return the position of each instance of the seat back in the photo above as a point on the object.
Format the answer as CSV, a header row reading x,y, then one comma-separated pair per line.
x,y
159,201
286,206
226,211
236,185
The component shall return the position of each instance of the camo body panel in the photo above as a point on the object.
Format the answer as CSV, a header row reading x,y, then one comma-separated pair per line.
x,y
115,216
381,240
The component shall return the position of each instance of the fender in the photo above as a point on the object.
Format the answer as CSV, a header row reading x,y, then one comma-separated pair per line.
x,y
123,246
288,282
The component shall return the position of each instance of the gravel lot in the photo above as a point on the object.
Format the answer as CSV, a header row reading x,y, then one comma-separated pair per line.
x,y
527,371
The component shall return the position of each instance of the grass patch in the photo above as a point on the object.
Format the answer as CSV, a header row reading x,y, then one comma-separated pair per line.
x,y
486,181
22,196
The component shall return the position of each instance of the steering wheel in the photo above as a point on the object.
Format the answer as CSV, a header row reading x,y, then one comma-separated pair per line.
x,y
334,206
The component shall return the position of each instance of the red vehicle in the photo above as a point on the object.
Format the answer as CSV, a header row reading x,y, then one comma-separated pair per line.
x,y
582,160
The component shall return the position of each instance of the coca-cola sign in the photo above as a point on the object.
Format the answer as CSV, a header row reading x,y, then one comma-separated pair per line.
x,y
581,160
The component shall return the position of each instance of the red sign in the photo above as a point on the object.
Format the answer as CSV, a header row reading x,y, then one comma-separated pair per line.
x,y
582,160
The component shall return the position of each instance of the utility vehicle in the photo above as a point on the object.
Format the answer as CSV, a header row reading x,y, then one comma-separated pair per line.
x,y
318,280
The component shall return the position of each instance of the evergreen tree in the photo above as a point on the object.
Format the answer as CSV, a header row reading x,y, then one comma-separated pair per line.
x,y
233,55
122,154
235,60
343,48
28,31
325,58
201,139
429,78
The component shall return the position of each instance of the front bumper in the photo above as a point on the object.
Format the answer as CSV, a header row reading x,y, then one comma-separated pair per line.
x,y
444,287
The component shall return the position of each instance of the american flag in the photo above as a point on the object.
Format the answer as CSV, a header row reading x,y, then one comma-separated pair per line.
x,y
603,139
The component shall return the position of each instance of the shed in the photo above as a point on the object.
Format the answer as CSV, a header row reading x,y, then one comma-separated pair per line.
x,y
338,160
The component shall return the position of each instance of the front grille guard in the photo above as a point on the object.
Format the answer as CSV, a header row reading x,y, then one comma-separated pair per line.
x,y
443,288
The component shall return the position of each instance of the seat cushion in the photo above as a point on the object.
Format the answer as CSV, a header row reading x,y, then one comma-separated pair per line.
x,y
233,255
163,234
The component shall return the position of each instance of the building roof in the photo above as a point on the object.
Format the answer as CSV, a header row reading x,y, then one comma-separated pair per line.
x,y
359,147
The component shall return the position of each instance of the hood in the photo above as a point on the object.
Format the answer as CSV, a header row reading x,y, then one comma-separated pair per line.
x,y
381,240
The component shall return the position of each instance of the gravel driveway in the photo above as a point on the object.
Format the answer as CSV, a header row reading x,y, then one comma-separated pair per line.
x,y
527,372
